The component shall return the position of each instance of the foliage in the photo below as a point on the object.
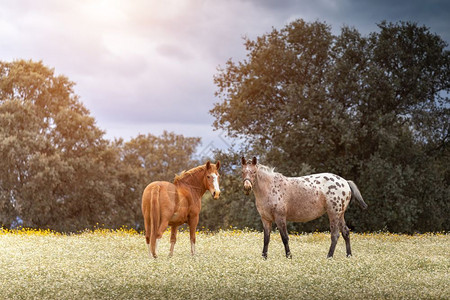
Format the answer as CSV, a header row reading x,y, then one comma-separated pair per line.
x,y
115,265
53,155
58,171
148,158
372,109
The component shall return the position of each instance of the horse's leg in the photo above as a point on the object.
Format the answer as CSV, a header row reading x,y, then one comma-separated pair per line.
x,y
147,234
334,229
346,235
147,221
193,221
281,224
161,229
267,229
173,238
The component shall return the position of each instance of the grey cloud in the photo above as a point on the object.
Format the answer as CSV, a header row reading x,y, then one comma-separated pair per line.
x,y
162,71
173,51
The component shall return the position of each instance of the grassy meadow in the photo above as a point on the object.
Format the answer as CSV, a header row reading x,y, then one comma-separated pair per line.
x,y
107,264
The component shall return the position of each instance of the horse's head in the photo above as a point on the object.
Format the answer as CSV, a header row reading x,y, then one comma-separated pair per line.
x,y
248,174
212,179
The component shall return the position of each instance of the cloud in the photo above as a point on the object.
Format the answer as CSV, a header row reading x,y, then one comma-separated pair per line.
x,y
145,63
174,51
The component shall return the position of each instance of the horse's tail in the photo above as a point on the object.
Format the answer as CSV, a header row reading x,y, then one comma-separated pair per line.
x,y
154,218
356,194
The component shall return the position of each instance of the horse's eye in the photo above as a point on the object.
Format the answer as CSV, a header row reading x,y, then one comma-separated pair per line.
x,y
207,176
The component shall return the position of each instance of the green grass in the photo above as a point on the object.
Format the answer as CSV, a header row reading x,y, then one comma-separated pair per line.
x,y
115,265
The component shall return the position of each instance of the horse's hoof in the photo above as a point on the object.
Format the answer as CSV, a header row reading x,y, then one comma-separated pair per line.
x,y
349,255
264,256
289,256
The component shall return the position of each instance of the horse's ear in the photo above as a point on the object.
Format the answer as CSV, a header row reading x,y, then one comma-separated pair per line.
x,y
218,165
254,160
208,165
243,161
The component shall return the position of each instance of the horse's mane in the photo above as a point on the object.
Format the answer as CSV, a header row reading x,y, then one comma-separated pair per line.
x,y
266,169
185,173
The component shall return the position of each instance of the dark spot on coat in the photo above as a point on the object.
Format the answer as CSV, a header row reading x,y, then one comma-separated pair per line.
x,y
332,187
326,178
343,193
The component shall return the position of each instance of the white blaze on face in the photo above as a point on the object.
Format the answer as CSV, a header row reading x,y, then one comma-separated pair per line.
x,y
215,182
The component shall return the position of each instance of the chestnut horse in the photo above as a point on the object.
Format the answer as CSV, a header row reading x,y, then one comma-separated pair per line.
x,y
173,204
299,199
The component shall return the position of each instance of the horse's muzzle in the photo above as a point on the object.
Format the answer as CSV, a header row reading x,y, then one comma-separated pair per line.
x,y
216,194
247,186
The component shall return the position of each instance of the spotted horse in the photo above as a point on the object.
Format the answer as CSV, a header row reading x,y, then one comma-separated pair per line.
x,y
300,199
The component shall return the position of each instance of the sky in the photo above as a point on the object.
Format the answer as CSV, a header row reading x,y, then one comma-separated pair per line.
x,y
145,66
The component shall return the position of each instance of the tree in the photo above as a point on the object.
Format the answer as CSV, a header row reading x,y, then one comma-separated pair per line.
x,y
58,171
373,109
148,158
54,158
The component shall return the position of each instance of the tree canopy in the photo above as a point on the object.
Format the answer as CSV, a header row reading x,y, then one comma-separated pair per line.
x,y
374,109
52,152
57,169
